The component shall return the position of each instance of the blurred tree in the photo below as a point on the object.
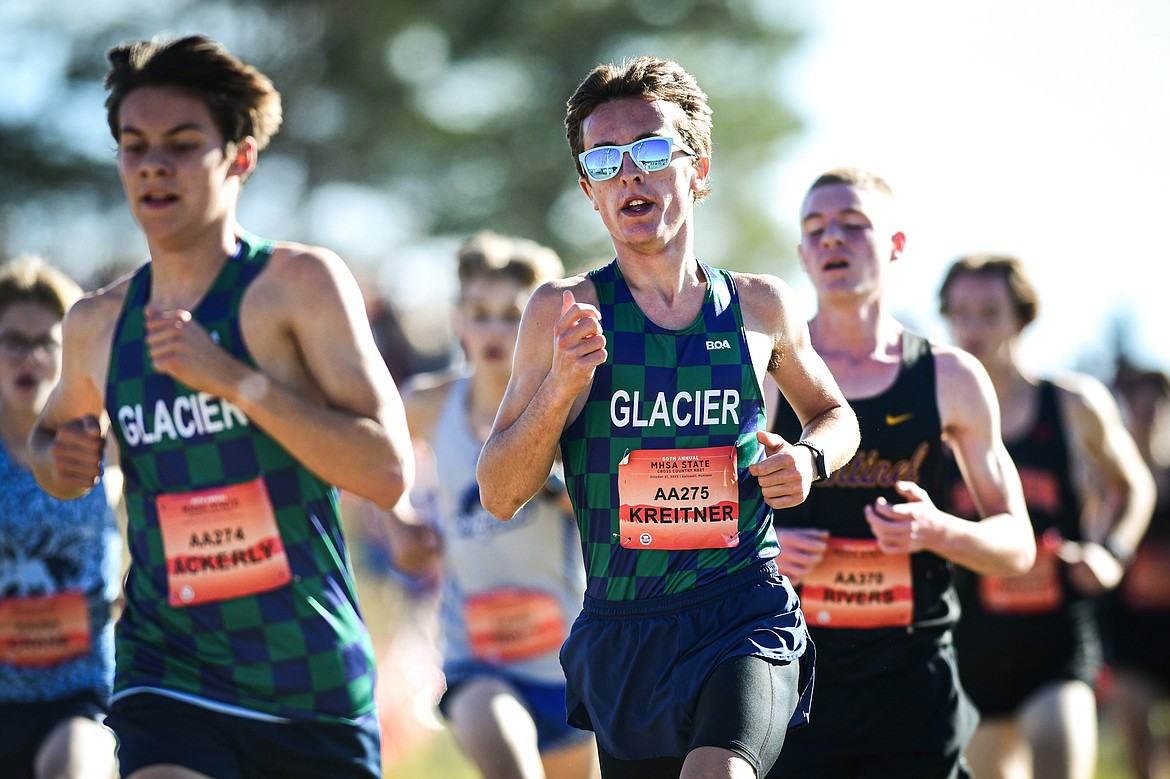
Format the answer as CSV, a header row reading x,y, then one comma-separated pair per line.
x,y
405,120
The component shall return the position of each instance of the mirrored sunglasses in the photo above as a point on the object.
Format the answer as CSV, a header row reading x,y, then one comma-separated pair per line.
x,y
649,154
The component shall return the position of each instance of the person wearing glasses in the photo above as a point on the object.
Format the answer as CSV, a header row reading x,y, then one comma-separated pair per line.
x,y
242,384
873,547
1090,497
690,656
59,560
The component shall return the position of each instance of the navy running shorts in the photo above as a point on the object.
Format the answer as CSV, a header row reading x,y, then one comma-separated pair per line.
x,y
154,729
25,726
635,669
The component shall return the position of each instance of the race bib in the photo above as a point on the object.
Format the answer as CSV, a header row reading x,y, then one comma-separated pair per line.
x,y
679,498
856,585
1036,592
44,630
510,625
1146,586
221,543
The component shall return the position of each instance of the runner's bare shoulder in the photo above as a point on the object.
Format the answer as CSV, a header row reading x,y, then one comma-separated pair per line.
x,y
300,275
90,322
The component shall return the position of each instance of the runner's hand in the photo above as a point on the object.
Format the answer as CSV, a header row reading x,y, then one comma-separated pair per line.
x,y
801,550
903,527
77,454
181,348
1092,569
578,345
782,481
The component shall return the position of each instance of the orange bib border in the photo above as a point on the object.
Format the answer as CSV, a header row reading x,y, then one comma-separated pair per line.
x,y
510,625
1038,591
44,630
221,543
856,585
679,498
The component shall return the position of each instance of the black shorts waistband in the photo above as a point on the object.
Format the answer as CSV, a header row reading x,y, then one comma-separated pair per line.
x,y
683,601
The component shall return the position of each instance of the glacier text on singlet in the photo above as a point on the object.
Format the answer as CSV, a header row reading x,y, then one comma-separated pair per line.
x,y
701,407
188,416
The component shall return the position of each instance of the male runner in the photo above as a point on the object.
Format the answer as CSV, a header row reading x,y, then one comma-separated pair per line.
x,y
1090,497
870,547
241,381
687,657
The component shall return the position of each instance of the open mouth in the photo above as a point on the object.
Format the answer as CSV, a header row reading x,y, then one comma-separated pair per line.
x,y
837,264
159,198
637,206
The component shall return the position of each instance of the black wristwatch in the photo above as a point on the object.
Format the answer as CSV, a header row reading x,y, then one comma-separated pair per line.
x,y
818,459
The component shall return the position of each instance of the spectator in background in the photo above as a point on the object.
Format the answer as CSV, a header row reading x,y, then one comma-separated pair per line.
x,y
509,590
1137,615
1029,647
59,560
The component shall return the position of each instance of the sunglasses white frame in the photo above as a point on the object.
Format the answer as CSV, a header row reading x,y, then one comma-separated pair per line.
x,y
675,145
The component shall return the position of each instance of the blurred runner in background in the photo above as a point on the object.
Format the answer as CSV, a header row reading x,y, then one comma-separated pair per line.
x,y
1029,646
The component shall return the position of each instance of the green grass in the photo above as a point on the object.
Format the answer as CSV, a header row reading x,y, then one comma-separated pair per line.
x,y
437,759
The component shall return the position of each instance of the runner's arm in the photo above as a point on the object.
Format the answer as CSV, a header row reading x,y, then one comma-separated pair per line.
x,y
559,346
803,379
329,400
1002,542
1116,485
66,443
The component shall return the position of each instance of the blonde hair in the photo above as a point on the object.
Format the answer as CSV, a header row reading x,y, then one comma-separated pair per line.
x,y
29,279
493,256
858,178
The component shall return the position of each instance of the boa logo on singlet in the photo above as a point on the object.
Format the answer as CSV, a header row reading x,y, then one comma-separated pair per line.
x,y
702,407
188,416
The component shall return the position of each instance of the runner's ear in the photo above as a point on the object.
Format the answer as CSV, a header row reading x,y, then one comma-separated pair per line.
x,y
244,158
899,241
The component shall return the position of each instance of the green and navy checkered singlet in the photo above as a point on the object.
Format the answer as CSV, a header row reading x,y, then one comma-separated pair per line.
x,y
662,389
299,651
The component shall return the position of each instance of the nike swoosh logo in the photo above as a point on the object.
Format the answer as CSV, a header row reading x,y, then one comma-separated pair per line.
x,y
892,420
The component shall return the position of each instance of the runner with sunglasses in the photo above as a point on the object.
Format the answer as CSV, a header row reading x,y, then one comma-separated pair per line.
x,y
690,656
242,383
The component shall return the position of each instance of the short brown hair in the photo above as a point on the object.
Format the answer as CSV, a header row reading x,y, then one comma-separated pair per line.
x,y
857,178
647,77
29,279
1129,377
242,100
1023,295
490,255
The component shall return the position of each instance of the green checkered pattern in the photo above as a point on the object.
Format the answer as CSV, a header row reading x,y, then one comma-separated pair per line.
x,y
648,359
300,651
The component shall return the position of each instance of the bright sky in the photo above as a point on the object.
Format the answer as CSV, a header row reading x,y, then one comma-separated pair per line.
x,y
1039,128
